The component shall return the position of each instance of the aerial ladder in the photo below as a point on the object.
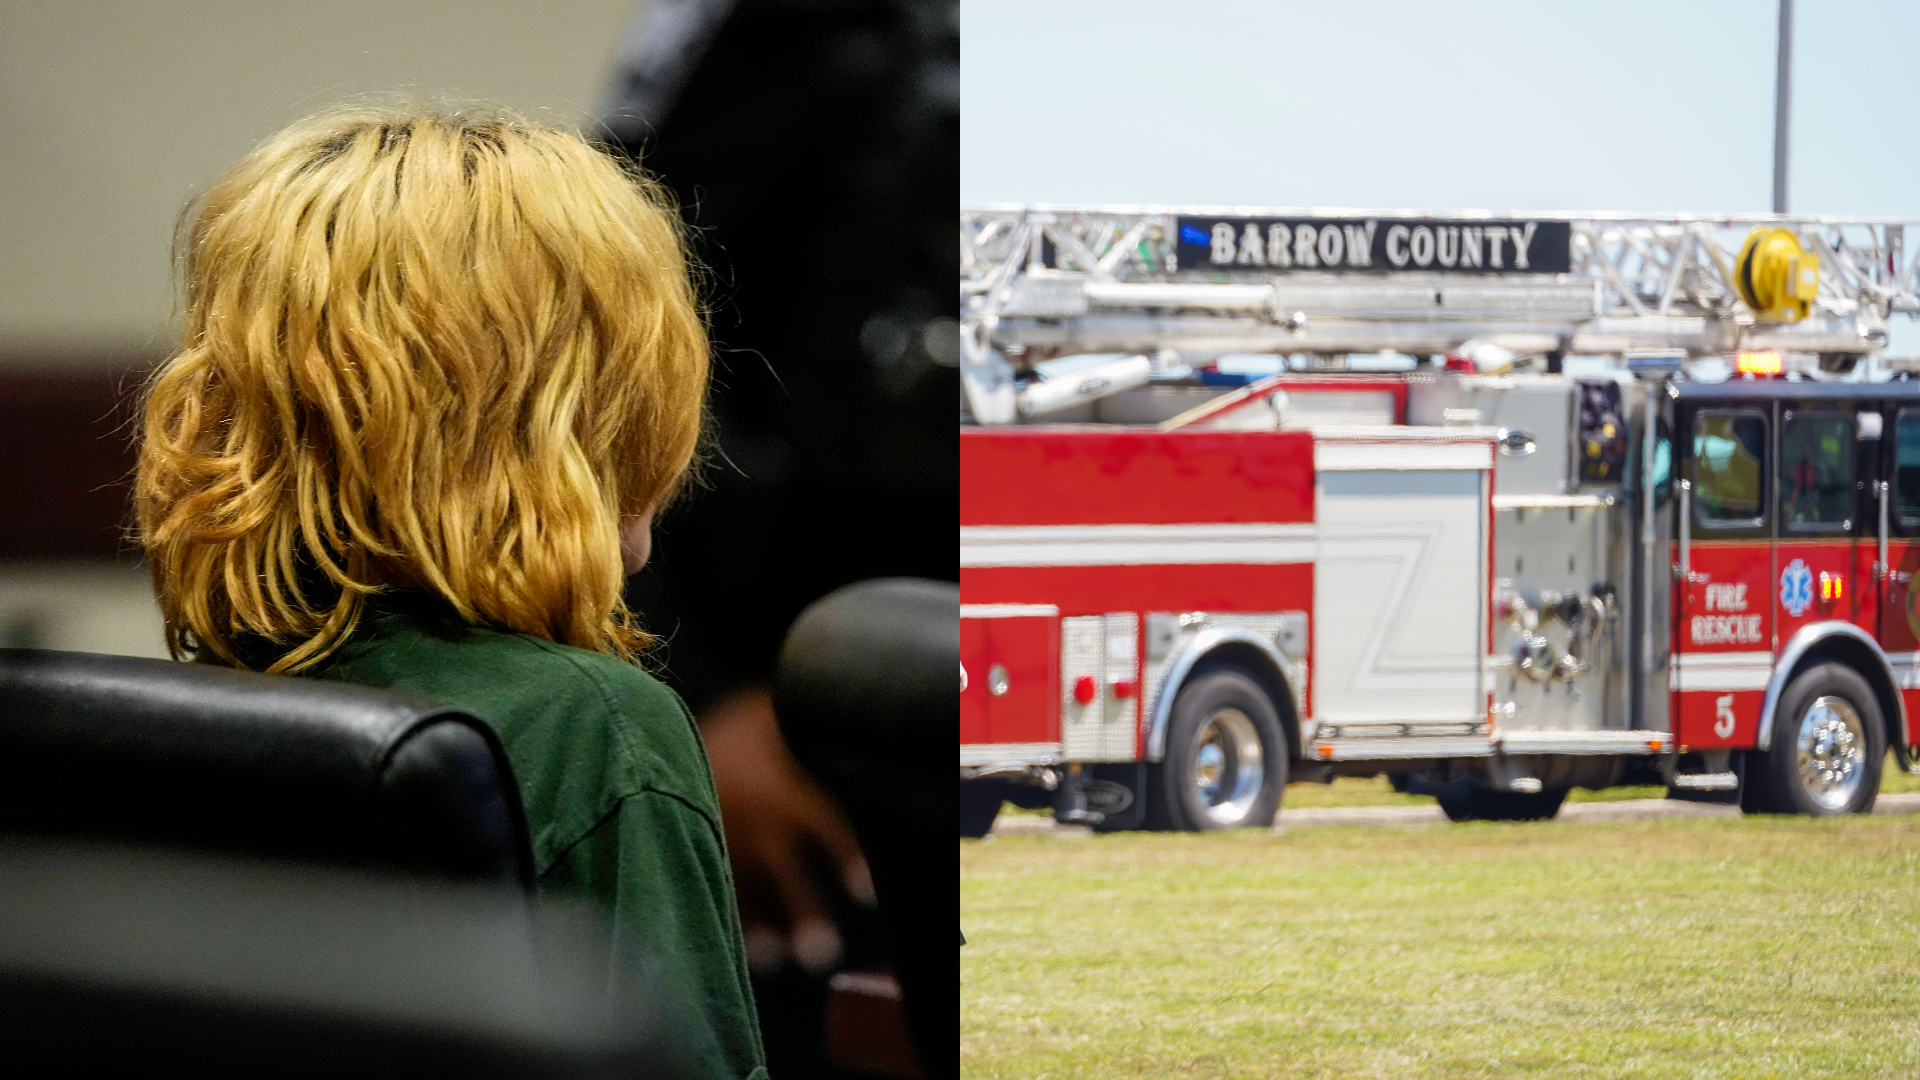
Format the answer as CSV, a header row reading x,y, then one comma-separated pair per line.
x,y
1165,290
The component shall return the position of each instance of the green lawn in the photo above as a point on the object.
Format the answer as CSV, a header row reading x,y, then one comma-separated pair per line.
x,y
1743,947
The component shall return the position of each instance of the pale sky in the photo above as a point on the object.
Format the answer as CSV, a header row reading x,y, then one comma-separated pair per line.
x,y
1640,105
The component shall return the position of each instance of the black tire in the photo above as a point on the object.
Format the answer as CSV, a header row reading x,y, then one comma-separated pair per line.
x,y
979,805
1830,714
1226,759
1483,805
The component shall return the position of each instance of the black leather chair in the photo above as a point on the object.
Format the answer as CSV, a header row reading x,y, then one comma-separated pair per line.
x,y
236,763
248,875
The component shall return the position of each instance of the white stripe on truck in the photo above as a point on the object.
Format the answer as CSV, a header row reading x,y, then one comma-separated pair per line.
x,y
1137,545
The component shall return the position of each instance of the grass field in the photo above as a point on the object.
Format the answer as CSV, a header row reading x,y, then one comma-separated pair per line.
x,y
1743,947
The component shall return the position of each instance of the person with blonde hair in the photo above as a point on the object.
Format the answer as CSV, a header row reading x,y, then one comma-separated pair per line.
x,y
440,369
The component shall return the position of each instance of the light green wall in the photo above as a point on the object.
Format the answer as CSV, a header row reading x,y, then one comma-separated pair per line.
x,y
113,114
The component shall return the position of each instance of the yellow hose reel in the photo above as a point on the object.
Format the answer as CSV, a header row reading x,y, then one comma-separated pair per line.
x,y
1775,276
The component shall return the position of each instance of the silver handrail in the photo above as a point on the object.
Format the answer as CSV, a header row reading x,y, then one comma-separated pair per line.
x,y
1881,570
1686,532
1648,534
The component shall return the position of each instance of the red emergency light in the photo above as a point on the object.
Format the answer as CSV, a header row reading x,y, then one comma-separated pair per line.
x,y
1762,362
1084,689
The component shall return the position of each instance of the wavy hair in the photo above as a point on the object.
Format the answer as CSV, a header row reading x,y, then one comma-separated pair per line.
x,y
445,351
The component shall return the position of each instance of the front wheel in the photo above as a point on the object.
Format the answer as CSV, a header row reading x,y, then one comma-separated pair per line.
x,y
1226,759
1828,745
1482,805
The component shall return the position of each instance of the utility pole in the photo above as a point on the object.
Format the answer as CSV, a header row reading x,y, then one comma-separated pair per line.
x,y
1782,106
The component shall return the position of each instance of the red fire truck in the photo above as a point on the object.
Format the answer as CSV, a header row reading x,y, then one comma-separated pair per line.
x,y
1203,555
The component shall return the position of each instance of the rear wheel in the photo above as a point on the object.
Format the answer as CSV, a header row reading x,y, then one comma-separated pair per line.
x,y
1483,805
1226,759
979,805
1828,745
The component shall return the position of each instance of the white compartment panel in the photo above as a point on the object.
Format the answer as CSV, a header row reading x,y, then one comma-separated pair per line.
x,y
1398,595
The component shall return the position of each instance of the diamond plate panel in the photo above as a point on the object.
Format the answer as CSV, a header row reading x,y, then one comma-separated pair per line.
x,y
1264,624
1122,715
1268,627
1107,648
1083,643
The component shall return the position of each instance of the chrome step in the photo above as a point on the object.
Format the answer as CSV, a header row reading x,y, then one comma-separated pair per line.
x,y
1713,781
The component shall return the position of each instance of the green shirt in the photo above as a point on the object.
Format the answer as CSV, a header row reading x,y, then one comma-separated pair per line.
x,y
619,800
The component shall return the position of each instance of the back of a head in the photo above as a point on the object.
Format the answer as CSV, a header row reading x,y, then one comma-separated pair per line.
x,y
435,350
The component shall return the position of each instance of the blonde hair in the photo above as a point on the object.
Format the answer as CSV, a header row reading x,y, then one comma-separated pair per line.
x,y
433,350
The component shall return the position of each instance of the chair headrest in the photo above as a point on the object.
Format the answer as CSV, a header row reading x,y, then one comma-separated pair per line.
x,y
141,750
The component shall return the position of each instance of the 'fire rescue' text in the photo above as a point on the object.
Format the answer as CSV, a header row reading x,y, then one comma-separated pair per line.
x,y
1726,629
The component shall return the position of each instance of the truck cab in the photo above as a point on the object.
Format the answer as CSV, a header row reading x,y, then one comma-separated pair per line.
x,y
1793,637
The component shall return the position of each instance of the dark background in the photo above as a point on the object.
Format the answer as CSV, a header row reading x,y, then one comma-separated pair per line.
x,y
816,150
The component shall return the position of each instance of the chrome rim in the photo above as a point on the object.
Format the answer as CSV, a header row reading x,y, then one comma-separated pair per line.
x,y
1831,749
1228,766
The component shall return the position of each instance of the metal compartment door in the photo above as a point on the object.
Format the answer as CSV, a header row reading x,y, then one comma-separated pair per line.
x,y
1010,654
1400,585
973,681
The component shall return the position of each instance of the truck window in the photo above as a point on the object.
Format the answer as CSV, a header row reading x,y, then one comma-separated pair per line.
x,y
1816,470
1729,462
1662,464
1906,466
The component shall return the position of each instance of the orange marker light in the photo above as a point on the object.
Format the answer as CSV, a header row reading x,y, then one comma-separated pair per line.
x,y
1325,752
1765,362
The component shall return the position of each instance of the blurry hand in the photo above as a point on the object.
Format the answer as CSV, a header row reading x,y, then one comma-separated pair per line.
x,y
788,842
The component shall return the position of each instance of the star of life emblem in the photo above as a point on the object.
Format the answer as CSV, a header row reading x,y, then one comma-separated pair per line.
x,y
1796,588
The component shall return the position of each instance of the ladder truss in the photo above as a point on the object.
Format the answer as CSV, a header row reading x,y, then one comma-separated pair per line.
x,y
1045,281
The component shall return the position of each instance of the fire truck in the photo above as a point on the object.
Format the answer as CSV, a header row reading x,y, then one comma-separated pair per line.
x,y
1494,505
